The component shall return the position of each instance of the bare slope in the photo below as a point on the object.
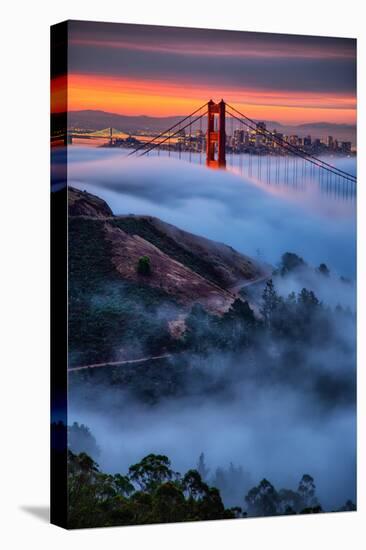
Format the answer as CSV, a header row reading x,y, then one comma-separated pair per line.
x,y
185,266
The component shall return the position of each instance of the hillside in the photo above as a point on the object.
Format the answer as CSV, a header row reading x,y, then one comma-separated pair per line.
x,y
117,313
186,267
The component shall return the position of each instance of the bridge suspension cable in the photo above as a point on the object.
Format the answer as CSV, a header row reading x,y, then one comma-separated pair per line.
x,y
178,127
171,135
296,152
177,124
290,147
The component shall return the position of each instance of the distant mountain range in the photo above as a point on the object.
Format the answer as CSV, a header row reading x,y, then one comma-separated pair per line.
x,y
97,120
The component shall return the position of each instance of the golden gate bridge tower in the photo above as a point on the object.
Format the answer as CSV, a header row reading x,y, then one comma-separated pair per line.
x,y
170,140
216,135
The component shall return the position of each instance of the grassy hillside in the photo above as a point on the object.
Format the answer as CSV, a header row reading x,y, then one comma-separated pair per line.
x,y
108,316
143,227
115,312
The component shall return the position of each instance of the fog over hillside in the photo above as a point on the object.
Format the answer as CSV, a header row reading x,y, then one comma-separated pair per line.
x,y
252,217
279,408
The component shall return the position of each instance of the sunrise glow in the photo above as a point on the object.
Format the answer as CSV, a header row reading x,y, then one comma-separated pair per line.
x,y
162,98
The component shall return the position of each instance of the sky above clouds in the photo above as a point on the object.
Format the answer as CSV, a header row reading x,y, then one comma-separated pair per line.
x,y
162,71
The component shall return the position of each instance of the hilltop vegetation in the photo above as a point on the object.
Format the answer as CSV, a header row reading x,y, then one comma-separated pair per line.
x,y
152,492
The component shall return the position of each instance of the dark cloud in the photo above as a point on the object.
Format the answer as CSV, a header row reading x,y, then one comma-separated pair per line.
x,y
318,75
254,60
179,37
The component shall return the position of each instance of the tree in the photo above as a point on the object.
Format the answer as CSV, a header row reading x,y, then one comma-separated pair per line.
x,y
231,482
211,506
168,504
144,265
262,500
312,510
308,299
198,334
122,485
97,499
349,506
193,485
82,490
290,262
306,490
236,325
290,502
270,301
151,472
237,512
240,309
201,467
324,270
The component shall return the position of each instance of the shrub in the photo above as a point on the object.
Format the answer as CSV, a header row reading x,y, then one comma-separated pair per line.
x,y
144,265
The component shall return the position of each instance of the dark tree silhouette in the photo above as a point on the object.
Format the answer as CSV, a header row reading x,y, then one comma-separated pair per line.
x,y
151,472
144,265
262,500
202,468
307,490
270,302
324,270
290,262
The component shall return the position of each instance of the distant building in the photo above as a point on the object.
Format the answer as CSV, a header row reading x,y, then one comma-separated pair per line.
x,y
238,137
260,138
131,141
346,147
278,138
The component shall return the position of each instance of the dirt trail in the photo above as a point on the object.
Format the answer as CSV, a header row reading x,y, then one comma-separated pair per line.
x,y
237,287
234,290
120,363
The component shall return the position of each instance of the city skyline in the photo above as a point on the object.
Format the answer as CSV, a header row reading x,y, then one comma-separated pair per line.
x,y
132,70
239,141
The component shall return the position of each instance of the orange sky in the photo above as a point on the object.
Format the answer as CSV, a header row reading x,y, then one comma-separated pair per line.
x,y
166,98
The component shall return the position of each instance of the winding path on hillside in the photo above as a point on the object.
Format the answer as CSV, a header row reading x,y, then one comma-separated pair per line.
x,y
235,289
120,363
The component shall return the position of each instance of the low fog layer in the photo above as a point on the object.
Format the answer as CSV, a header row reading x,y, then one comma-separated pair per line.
x,y
254,217
274,428
274,419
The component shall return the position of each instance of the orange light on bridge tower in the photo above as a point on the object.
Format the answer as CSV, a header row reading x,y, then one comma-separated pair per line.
x,y
216,136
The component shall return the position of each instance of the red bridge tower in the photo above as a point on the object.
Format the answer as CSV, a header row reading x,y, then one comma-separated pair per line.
x,y
216,136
